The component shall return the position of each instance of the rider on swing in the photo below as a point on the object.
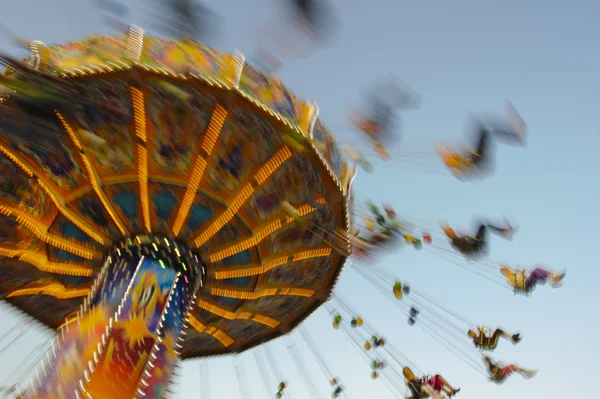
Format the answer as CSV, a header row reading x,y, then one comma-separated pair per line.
x,y
525,282
485,341
472,246
499,372
427,387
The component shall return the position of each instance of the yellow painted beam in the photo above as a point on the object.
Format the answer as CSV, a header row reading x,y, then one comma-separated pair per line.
x,y
139,116
254,270
226,314
219,335
41,262
243,194
41,232
54,197
252,295
210,138
56,290
261,234
92,174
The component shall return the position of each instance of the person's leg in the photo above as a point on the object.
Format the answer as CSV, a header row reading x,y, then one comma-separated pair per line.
x,y
482,146
491,366
538,275
525,373
505,230
414,388
495,336
481,234
505,133
444,385
556,279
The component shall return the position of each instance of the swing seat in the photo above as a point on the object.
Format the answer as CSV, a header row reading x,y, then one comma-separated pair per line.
x,y
398,293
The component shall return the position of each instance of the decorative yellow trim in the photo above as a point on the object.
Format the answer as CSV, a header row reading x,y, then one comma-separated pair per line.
x,y
210,138
263,233
267,321
255,270
252,295
139,113
226,314
91,173
243,194
219,335
41,232
56,290
55,198
42,263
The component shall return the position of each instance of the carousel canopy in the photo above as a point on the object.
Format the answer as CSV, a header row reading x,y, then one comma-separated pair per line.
x,y
112,137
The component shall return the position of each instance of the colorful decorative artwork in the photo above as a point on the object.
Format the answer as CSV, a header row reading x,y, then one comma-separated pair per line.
x,y
57,161
104,124
242,150
321,224
179,118
90,208
309,273
165,354
18,190
272,93
178,112
297,181
95,50
67,229
278,307
126,200
134,334
325,143
227,235
192,57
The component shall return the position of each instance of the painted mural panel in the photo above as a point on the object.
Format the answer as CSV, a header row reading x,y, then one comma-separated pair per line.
x,y
46,147
95,50
325,143
309,273
18,190
272,93
126,203
104,123
183,57
240,150
278,307
297,181
90,208
179,117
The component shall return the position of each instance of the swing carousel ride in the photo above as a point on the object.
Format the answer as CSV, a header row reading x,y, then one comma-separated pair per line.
x,y
162,201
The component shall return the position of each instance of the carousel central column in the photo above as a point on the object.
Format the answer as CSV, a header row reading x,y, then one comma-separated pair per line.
x,y
123,343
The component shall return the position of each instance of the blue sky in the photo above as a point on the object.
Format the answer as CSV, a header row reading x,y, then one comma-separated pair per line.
x,y
462,56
